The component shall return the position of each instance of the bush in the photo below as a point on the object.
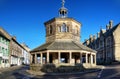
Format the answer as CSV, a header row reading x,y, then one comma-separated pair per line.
x,y
48,68
52,68
35,67
65,69
80,67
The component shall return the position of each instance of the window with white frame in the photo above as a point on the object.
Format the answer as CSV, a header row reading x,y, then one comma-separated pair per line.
x,y
63,28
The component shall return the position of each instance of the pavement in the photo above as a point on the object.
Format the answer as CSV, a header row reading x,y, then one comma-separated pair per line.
x,y
10,68
15,72
23,72
103,72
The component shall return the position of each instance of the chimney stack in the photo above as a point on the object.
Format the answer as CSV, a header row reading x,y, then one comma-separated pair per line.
x,y
98,35
90,36
87,42
110,24
94,37
14,37
107,27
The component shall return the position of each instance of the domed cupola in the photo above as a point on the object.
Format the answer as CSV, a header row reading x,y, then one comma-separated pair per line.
x,y
63,11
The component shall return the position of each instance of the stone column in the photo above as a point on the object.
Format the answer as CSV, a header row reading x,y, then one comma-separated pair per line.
x,y
41,57
80,57
91,58
86,58
95,59
31,58
47,57
70,57
35,58
59,56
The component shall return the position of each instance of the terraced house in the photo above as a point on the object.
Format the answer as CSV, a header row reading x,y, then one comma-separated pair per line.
x,y
107,43
4,49
16,52
11,52
26,54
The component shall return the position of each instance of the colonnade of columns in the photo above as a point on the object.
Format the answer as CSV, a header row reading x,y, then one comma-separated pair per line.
x,y
84,57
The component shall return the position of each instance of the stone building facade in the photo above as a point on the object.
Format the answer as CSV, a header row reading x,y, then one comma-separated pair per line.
x,y
63,43
11,52
107,44
26,54
15,52
4,49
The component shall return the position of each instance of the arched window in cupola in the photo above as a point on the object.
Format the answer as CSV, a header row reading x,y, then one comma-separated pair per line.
x,y
63,28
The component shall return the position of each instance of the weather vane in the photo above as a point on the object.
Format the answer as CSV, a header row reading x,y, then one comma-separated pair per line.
x,y
63,2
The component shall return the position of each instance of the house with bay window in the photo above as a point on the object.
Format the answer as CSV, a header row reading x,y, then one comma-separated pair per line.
x,y
11,52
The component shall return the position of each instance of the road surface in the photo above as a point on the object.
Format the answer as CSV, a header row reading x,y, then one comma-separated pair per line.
x,y
107,72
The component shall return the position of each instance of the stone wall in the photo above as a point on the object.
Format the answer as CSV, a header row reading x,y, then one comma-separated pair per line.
x,y
116,35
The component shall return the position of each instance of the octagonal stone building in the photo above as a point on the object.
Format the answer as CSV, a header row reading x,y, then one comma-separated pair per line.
x,y
63,43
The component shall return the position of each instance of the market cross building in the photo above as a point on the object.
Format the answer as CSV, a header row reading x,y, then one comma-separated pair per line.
x,y
63,43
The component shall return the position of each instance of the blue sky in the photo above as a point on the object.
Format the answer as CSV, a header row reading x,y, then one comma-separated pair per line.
x,y
25,18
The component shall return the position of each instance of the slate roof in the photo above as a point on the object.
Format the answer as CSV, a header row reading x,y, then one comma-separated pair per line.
x,y
60,45
109,32
3,35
